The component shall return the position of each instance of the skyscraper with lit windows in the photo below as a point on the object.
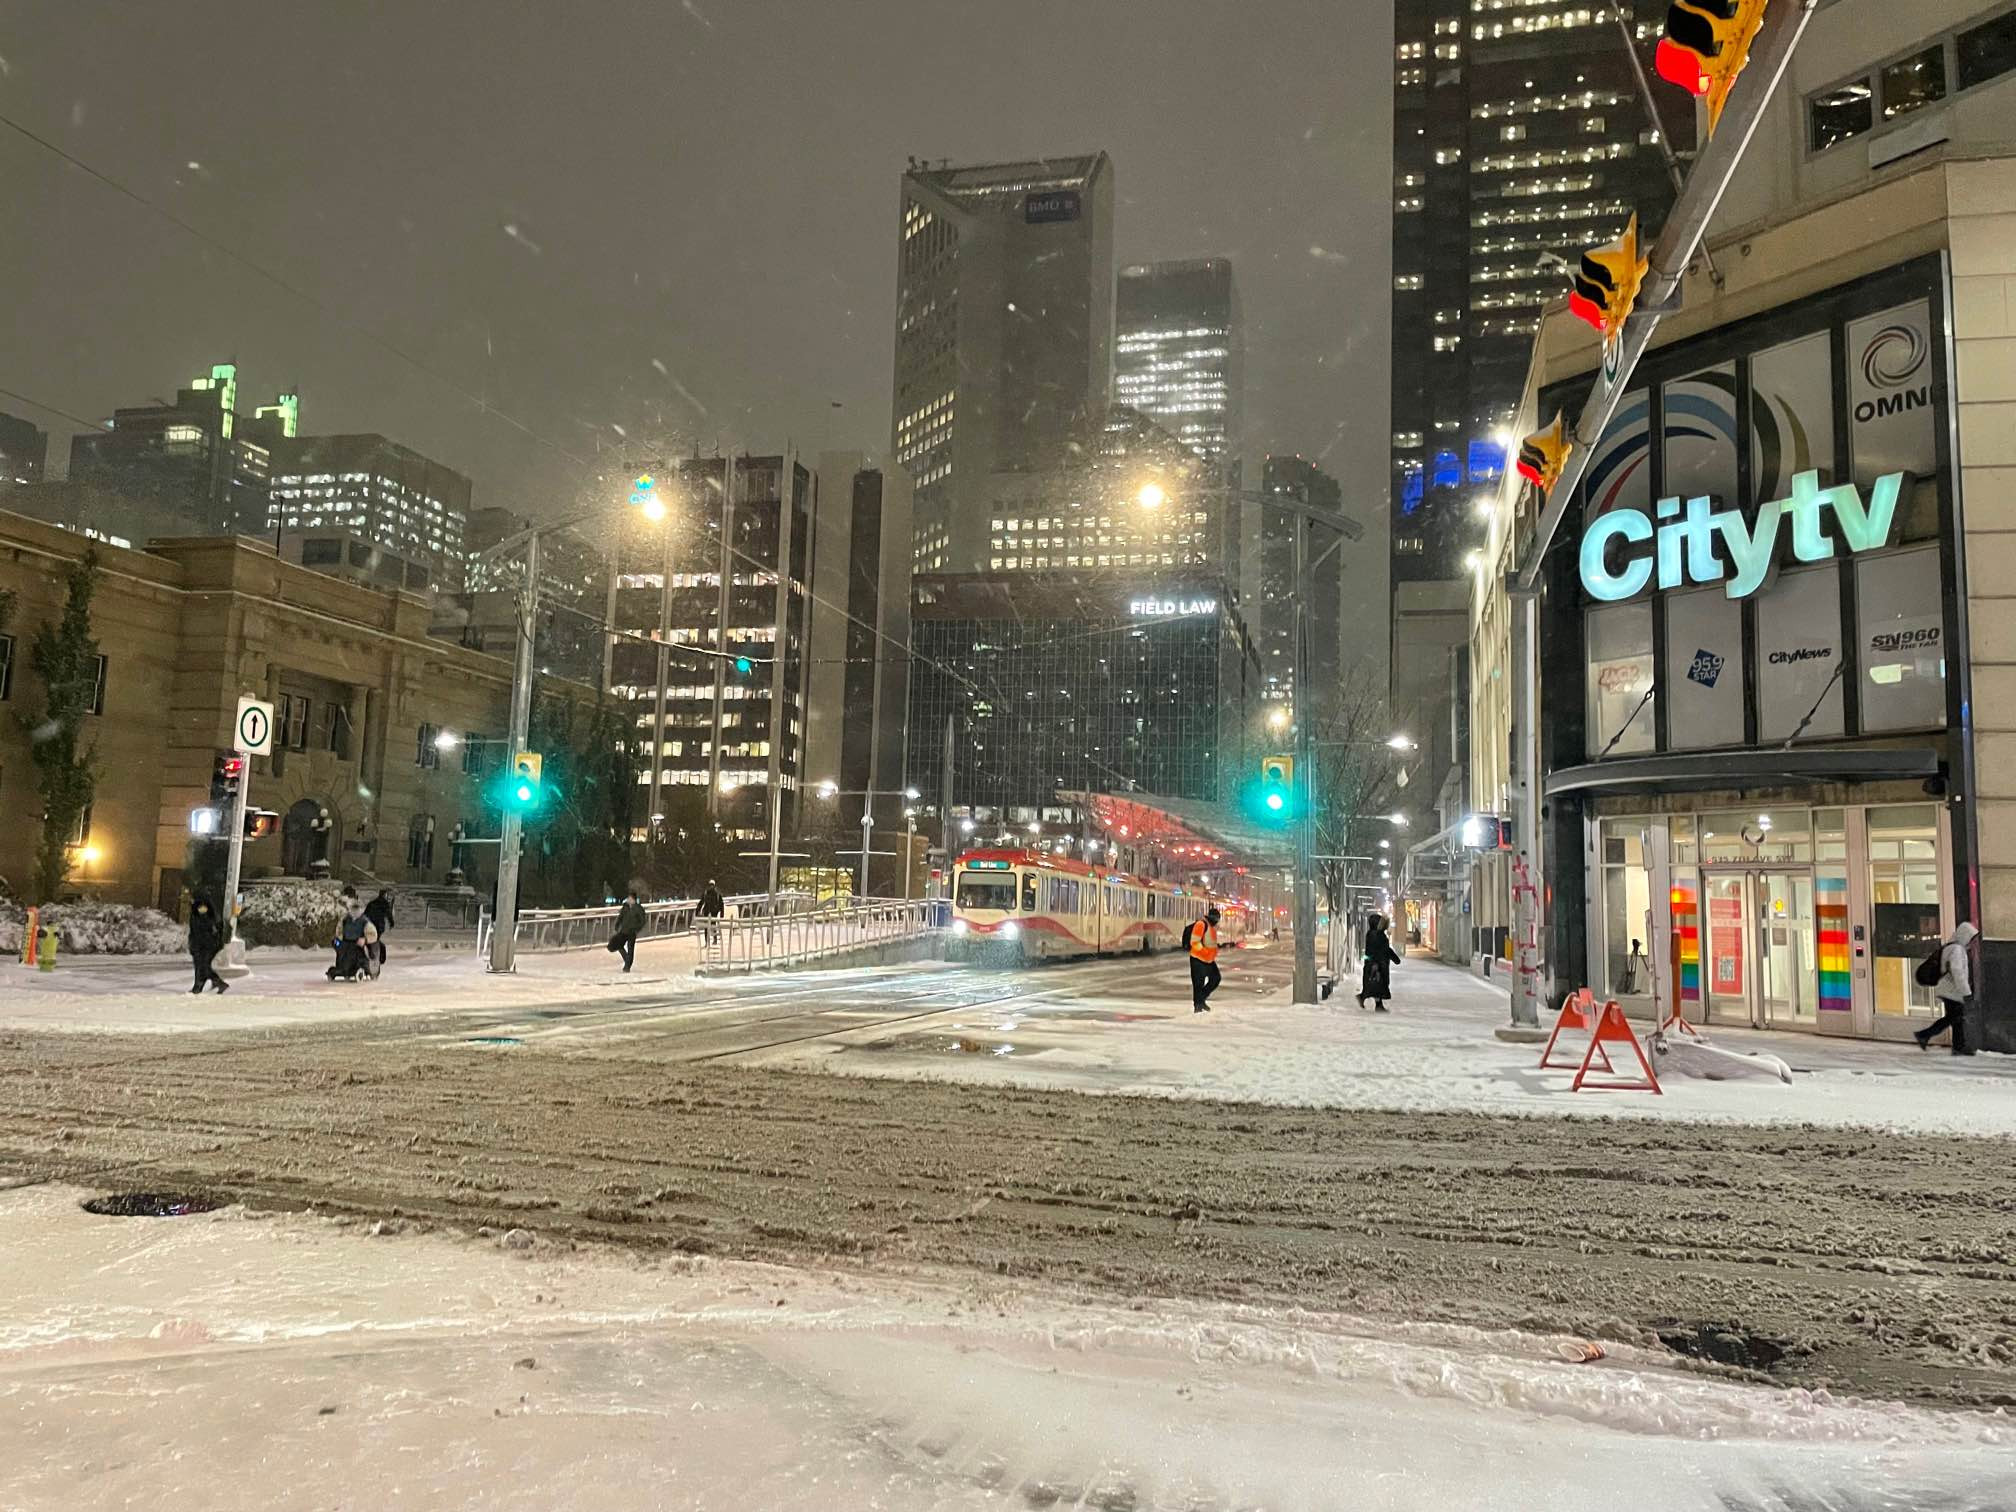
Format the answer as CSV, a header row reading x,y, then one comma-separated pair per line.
x,y
1177,356
1520,138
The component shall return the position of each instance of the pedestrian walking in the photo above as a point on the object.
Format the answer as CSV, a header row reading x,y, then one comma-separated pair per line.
x,y
206,938
379,912
1375,980
1201,937
711,907
1954,987
630,922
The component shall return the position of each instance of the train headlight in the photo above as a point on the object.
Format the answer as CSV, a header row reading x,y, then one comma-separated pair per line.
x,y
959,926
1011,931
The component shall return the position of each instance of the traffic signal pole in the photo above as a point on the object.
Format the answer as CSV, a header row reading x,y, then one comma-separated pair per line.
x,y
234,949
1715,165
1304,921
504,931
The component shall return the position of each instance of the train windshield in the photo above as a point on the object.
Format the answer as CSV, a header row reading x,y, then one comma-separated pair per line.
x,y
996,892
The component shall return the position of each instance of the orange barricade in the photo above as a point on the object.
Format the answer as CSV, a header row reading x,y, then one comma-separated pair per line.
x,y
1613,1029
1578,1012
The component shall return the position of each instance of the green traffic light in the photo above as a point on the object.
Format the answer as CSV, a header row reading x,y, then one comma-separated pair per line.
x,y
744,666
524,793
1276,802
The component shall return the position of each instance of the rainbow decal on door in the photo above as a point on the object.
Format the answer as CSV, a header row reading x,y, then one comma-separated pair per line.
x,y
1830,904
1687,927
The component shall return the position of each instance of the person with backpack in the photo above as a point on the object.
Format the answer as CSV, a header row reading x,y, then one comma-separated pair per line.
x,y
1948,974
1200,937
630,922
379,912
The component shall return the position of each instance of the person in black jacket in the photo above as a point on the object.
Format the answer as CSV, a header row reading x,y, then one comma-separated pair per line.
x,y
711,907
1376,982
379,912
630,922
206,938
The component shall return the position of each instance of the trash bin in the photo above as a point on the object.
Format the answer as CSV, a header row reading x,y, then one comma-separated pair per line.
x,y
45,950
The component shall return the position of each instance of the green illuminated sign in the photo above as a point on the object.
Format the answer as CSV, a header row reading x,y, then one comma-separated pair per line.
x,y
1683,548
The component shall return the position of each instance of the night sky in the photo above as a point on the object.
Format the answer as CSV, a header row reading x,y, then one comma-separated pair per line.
x,y
678,218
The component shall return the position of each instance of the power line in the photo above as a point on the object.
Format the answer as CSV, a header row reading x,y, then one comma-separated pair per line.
x,y
279,282
53,410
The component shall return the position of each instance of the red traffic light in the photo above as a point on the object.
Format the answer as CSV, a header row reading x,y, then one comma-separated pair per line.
x,y
234,766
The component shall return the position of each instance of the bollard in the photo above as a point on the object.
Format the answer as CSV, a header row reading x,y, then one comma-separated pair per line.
x,y
45,953
29,934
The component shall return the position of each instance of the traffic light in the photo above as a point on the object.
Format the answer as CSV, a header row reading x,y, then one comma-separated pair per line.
x,y
744,666
1274,797
644,497
1543,454
1707,42
259,823
522,785
1607,282
227,774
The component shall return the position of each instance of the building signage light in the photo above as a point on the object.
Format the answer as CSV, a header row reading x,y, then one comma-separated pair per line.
x,y
1684,549
1163,608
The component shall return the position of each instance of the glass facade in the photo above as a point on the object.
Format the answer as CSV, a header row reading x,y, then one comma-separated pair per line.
x,y
1072,685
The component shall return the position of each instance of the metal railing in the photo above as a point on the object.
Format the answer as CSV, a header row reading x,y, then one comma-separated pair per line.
x,y
581,928
770,944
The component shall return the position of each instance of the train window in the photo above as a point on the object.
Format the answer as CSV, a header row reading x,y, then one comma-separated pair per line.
x,y
976,891
1028,895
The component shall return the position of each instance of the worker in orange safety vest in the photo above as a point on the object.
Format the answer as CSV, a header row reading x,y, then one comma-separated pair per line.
x,y
1202,938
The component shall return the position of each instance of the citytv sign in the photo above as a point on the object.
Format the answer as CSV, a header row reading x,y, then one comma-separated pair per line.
x,y
1684,547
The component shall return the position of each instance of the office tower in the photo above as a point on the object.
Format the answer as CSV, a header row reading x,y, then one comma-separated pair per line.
x,y
1519,139
1004,334
376,492
24,449
1177,355
1298,479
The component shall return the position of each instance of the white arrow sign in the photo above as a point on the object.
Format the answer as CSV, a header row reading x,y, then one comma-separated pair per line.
x,y
255,727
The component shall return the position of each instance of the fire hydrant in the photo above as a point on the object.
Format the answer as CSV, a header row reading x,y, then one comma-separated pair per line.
x,y
45,951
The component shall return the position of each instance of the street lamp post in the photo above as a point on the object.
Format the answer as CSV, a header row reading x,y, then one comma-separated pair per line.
x,y
1152,495
868,796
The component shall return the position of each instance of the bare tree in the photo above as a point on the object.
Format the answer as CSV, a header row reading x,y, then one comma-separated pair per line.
x,y
1357,782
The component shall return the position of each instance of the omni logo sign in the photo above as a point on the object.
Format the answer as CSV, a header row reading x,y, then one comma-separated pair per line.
x,y
1894,362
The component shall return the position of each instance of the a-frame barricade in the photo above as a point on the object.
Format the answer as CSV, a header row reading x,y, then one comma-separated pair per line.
x,y
1578,1013
1612,1028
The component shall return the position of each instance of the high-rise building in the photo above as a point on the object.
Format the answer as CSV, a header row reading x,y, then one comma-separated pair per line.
x,y
196,467
375,491
858,685
1177,356
1301,480
1519,139
24,449
1004,334
731,579
1100,682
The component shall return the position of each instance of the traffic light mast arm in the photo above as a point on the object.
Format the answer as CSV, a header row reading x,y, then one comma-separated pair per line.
x,y
1714,166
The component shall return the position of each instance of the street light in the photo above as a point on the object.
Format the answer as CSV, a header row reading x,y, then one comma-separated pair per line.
x,y
1402,743
1278,720
1398,821
1151,495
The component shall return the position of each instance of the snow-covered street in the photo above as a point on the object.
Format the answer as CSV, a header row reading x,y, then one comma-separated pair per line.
x,y
242,1362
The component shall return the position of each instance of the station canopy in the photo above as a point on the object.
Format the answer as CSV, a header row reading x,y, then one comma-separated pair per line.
x,y
1189,833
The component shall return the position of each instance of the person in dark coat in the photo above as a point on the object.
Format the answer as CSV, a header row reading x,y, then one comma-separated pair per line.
x,y
711,907
1376,981
206,938
354,941
630,922
379,912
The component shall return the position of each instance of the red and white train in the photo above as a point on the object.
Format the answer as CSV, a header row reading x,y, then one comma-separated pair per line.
x,y
1026,906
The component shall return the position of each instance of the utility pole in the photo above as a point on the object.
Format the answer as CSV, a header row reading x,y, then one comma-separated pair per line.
x,y
664,673
1304,922
504,930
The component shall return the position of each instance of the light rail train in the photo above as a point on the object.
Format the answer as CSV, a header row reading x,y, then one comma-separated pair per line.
x,y
1027,906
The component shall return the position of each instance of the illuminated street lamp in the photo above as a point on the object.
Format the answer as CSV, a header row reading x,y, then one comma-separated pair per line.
x,y
1278,720
1402,743
1151,495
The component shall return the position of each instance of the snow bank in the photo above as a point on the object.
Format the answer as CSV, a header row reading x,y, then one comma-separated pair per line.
x,y
303,914
96,929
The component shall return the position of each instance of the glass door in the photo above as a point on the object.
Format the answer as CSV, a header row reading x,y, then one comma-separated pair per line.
x,y
1726,953
1787,953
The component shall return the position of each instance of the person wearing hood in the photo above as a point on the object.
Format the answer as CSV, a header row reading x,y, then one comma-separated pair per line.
x,y
1955,990
206,938
1375,979
631,921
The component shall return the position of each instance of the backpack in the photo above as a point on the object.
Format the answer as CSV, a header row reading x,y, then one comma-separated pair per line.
x,y
1931,969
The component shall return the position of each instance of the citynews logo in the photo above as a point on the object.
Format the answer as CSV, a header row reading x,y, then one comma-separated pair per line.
x,y
1802,654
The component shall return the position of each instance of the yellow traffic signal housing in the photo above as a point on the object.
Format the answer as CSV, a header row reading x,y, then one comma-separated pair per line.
x,y
1543,454
1707,42
1607,283
530,764
1279,769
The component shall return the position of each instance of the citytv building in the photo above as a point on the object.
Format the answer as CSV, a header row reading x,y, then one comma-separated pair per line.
x,y
1777,732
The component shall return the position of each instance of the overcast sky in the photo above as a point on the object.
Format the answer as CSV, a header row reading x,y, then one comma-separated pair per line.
x,y
590,213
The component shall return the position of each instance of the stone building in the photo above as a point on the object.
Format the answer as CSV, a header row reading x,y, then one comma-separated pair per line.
x,y
360,774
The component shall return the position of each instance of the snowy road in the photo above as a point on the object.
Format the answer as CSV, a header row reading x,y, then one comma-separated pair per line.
x,y
236,1363
1877,1263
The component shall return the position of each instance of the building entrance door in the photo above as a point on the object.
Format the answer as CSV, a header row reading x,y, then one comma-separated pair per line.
x,y
1760,960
